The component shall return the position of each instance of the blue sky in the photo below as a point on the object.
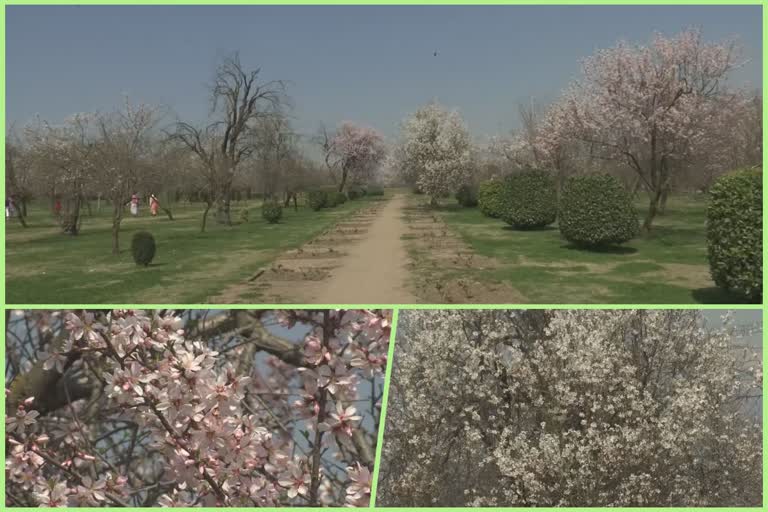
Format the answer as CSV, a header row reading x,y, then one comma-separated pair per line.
x,y
371,64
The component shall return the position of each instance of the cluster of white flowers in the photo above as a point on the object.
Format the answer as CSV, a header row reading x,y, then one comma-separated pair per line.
x,y
434,152
570,408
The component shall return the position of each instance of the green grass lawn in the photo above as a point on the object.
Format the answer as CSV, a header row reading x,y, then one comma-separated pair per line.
x,y
667,266
45,266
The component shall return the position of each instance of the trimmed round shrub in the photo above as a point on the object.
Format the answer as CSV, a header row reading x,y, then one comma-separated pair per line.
x,y
339,198
735,233
467,196
375,191
272,212
331,199
596,210
489,198
317,199
143,248
529,199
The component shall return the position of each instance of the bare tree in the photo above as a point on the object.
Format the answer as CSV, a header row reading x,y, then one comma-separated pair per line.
x,y
275,149
324,139
238,99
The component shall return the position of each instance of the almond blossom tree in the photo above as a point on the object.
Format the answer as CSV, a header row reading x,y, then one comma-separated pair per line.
x,y
353,153
647,106
434,151
124,153
192,408
65,155
572,408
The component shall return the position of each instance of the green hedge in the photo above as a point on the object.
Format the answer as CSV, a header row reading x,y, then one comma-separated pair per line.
x,y
735,233
489,198
596,210
529,199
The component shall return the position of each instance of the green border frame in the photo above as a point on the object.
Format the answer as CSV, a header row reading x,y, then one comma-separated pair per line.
x,y
394,307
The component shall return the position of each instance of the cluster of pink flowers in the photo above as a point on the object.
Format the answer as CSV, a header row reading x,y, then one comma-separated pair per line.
x,y
276,435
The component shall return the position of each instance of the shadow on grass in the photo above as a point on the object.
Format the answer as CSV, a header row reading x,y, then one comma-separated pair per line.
x,y
529,230
608,249
151,265
715,295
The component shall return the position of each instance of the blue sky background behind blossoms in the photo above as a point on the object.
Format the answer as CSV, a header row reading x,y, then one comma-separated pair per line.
x,y
372,64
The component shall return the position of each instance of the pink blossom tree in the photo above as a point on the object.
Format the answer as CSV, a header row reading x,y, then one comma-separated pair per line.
x,y
647,107
64,154
127,408
353,153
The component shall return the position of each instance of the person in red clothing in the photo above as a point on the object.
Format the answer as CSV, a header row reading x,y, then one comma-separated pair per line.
x,y
154,204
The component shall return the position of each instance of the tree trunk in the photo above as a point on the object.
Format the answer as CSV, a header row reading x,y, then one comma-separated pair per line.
x,y
223,207
117,217
344,173
636,187
71,222
21,219
663,201
560,183
653,209
205,216
21,213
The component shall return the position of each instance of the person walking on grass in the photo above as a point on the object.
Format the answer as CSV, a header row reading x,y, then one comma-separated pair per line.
x,y
10,208
135,205
154,204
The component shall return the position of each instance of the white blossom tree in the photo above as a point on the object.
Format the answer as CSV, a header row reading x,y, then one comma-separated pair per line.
x,y
434,152
571,408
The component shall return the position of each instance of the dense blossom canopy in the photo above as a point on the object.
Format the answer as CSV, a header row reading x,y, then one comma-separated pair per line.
x,y
571,408
176,420
357,151
434,153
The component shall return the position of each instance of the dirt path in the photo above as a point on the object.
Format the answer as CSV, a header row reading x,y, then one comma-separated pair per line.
x,y
360,260
374,269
